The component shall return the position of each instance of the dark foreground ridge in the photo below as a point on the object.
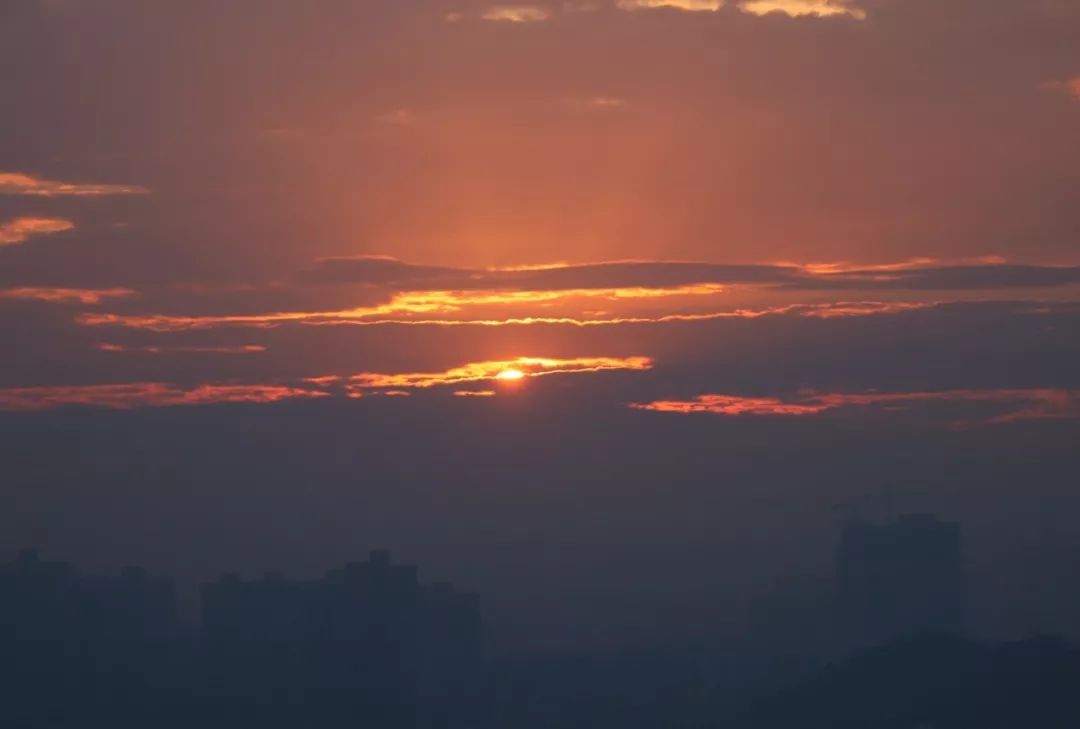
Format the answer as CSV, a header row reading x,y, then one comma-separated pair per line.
x,y
935,681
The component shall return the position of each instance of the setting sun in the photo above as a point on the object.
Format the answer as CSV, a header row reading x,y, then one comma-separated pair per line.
x,y
510,375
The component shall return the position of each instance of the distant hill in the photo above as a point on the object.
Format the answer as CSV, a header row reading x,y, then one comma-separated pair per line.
x,y
933,682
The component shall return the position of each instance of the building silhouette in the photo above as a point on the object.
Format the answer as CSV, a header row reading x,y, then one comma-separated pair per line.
x,y
366,645
367,641
900,578
77,646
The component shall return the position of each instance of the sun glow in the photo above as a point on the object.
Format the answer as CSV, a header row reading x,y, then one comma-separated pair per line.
x,y
495,370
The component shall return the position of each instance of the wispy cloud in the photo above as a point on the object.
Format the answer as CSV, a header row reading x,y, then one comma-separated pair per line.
x,y
1018,404
20,183
145,394
516,13
931,277
193,349
799,8
378,316
65,296
604,274
1070,87
733,405
688,5
20,230
918,274
402,308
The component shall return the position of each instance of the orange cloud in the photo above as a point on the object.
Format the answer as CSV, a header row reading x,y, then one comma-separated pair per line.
x,y
411,303
858,308
516,13
606,102
841,267
688,5
365,318
19,183
145,394
798,8
731,405
491,370
1069,87
64,296
1033,404
21,230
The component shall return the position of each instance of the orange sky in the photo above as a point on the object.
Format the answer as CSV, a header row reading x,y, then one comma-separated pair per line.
x,y
585,181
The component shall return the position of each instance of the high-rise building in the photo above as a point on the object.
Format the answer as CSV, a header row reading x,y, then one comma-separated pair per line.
x,y
75,646
365,645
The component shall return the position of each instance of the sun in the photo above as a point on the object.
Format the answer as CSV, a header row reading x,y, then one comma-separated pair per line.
x,y
510,375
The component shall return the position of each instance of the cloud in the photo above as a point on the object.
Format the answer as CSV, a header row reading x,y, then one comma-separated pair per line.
x,y
519,368
402,384
1069,87
833,347
630,274
602,275
516,13
687,5
417,311
382,270
64,295
379,291
1024,404
942,278
18,183
145,394
732,405
21,230
191,349
923,274
798,8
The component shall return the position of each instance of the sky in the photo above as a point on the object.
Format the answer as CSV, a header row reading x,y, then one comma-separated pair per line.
x,y
542,294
